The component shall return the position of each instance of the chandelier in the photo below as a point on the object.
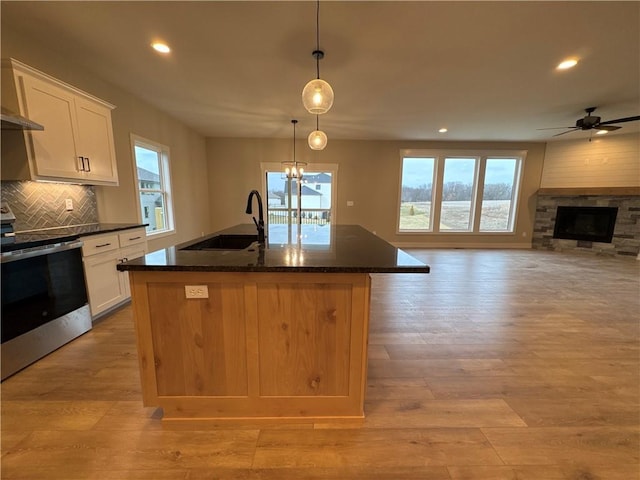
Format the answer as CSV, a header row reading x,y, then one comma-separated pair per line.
x,y
294,169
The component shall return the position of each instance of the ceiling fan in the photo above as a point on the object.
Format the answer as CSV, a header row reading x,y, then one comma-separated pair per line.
x,y
592,122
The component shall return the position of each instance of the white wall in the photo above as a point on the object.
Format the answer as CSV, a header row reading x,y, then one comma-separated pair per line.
x,y
608,161
368,175
188,148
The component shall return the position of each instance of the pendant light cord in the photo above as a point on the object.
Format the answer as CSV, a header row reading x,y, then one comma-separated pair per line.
x,y
318,38
294,140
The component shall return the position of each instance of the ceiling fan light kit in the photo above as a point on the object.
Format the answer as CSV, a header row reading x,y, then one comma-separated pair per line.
x,y
593,122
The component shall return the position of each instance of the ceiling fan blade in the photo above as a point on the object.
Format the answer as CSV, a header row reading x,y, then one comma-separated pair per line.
x,y
608,128
620,120
568,131
552,128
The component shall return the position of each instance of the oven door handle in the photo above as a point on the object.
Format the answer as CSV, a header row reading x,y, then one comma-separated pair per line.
x,y
39,251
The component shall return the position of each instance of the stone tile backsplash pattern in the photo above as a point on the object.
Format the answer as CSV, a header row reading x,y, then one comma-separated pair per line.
x,y
39,205
626,236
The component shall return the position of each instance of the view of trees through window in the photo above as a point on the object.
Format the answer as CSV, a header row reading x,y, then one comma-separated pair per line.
x,y
457,193
417,193
497,195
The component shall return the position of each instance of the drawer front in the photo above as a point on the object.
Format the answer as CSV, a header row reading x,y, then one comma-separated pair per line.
x,y
132,237
96,244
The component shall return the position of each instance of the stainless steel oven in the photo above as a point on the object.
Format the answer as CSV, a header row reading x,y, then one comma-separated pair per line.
x,y
44,301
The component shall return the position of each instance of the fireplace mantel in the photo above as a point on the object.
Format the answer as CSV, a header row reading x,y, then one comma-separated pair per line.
x,y
590,191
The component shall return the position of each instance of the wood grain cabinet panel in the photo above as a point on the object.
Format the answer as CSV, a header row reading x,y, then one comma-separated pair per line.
x,y
262,347
199,344
304,338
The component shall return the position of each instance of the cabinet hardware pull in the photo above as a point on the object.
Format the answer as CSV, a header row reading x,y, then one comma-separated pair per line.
x,y
103,245
88,164
135,238
81,164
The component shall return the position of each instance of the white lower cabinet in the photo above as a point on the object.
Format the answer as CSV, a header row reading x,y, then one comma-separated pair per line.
x,y
106,286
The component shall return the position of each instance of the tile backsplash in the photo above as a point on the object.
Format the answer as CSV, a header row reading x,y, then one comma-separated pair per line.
x,y
39,205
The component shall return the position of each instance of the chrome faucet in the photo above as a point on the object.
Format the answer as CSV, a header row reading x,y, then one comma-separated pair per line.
x,y
259,223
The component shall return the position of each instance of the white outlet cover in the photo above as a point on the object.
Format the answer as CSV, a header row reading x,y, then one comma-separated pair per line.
x,y
196,291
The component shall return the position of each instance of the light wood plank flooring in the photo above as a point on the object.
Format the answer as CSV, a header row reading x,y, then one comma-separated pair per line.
x,y
498,365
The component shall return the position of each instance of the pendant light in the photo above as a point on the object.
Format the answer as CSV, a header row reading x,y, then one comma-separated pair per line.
x,y
317,95
294,169
317,139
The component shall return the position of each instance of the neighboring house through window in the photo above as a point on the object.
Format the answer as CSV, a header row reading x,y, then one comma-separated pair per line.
x,y
153,184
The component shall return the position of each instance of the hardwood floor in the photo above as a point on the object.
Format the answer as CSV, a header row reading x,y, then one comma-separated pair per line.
x,y
498,365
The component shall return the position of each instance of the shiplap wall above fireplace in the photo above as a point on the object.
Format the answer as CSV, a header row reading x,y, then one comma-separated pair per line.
x,y
603,162
603,172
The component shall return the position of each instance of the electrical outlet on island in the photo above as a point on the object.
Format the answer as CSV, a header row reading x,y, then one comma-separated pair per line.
x,y
196,291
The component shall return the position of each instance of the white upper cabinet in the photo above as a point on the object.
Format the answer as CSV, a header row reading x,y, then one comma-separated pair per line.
x,y
76,144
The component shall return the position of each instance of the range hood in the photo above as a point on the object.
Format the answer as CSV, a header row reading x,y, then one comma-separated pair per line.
x,y
12,121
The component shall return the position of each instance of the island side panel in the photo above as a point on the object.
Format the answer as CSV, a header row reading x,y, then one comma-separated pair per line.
x,y
175,332
304,332
189,347
199,343
142,324
358,364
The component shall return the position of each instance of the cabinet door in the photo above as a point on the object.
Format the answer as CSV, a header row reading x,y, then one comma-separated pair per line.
x,y
95,142
104,284
52,152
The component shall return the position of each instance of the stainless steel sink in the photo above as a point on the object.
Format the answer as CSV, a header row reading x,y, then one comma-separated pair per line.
x,y
224,242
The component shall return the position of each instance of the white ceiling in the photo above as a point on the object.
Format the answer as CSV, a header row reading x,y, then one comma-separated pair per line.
x,y
400,70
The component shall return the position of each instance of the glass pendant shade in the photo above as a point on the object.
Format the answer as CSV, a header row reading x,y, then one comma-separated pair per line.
x,y
317,96
317,140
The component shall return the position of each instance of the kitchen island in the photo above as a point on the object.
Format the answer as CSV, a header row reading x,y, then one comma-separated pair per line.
x,y
262,333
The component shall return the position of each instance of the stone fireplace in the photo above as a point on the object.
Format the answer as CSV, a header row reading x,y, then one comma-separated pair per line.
x,y
625,241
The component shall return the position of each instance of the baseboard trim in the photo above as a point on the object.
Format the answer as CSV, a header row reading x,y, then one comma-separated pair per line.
x,y
474,245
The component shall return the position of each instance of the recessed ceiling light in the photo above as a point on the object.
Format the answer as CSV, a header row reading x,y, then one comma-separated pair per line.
x,y
161,47
443,130
602,132
568,63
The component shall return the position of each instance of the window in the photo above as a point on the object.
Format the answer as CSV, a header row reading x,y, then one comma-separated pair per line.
x,y
498,194
317,202
458,185
454,192
416,196
153,184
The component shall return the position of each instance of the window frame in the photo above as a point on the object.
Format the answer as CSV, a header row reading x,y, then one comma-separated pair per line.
x,y
271,167
434,193
481,156
165,190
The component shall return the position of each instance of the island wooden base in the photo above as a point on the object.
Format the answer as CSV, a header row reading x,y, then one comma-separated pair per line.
x,y
262,348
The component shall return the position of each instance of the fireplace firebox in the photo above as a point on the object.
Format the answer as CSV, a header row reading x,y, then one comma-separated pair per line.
x,y
592,224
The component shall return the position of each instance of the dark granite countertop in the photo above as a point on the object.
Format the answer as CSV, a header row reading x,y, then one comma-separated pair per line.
x,y
325,249
37,238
